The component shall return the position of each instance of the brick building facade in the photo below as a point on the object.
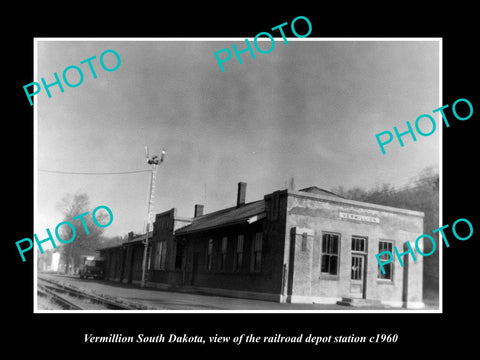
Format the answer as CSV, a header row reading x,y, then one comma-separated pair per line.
x,y
291,246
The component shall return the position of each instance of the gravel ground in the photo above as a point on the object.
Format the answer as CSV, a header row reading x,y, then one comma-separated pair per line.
x,y
170,300
44,303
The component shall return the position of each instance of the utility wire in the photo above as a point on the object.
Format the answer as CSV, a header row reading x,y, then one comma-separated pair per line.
x,y
93,173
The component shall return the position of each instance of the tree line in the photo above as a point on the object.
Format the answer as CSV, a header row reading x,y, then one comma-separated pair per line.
x,y
422,194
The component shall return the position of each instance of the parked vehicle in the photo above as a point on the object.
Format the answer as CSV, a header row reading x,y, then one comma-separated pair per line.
x,y
91,266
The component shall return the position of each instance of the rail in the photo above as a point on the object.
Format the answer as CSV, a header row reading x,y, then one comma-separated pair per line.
x,y
53,289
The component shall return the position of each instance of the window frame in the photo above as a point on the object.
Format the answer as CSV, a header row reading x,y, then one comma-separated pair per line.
x,y
365,244
238,253
159,255
329,275
256,264
209,258
357,251
222,254
380,275
163,256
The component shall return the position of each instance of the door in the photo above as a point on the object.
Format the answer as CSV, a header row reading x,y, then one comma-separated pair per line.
x,y
357,276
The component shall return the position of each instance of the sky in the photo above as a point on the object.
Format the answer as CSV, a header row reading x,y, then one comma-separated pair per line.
x,y
309,109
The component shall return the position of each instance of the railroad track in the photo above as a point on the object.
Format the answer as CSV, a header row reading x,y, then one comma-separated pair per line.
x,y
70,298
65,304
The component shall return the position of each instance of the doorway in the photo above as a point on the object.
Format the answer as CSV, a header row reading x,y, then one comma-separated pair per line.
x,y
357,277
358,267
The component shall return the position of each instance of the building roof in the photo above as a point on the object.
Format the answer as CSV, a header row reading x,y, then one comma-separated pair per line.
x,y
245,213
136,239
319,191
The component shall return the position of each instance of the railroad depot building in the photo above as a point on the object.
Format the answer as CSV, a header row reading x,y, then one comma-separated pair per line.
x,y
306,246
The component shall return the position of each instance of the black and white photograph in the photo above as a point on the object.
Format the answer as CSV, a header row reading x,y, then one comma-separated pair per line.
x,y
266,180
263,185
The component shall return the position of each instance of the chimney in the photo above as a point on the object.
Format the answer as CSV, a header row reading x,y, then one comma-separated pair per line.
x,y
198,210
130,235
242,190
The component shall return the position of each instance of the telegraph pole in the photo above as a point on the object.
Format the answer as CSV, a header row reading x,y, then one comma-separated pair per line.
x,y
154,161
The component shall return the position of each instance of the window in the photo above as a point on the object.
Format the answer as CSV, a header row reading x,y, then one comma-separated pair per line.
x,y
156,256
357,267
330,253
388,268
209,254
159,255
257,252
358,244
238,255
222,258
149,256
163,255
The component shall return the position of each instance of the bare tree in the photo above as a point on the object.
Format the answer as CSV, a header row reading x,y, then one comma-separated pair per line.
x,y
86,238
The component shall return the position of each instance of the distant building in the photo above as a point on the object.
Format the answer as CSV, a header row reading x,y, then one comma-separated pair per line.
x,y
291,246
48,261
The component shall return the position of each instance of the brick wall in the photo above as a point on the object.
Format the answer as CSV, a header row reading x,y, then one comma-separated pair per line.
x,y
244,278
316,215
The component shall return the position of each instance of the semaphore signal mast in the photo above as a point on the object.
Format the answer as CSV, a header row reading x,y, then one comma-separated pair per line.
x,y
154,161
